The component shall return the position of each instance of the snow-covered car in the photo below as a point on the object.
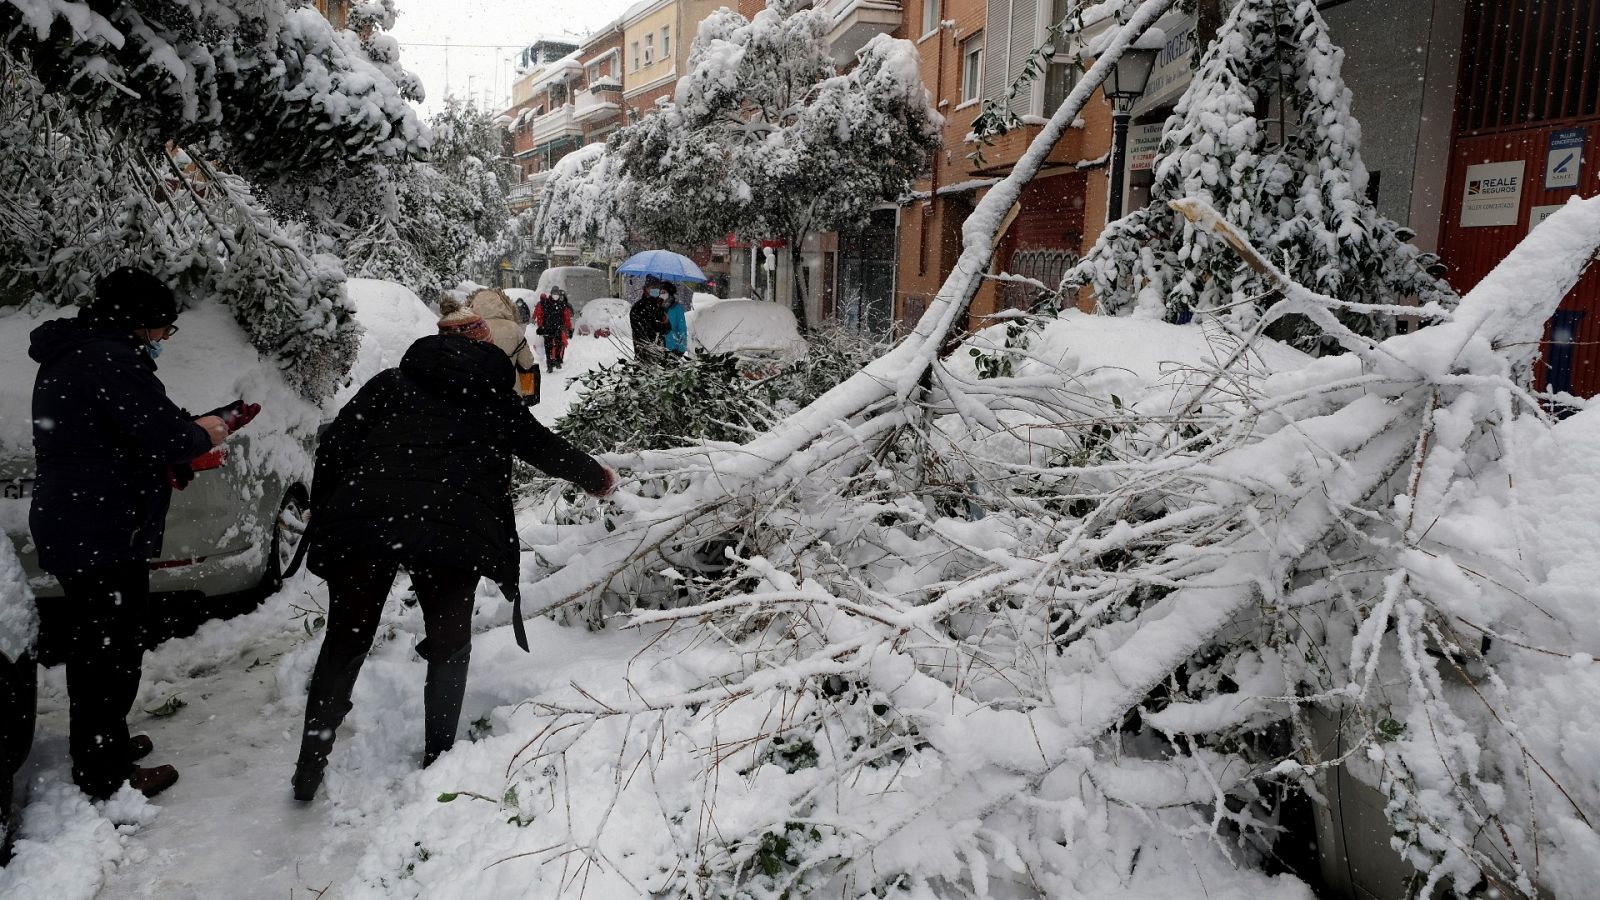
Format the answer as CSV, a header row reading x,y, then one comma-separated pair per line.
x,y
581,283
604,317
750,329
235,528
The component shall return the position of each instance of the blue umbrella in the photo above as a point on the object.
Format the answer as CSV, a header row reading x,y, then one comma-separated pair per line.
x,y
663,264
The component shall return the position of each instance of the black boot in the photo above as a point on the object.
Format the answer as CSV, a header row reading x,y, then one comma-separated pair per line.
x,y
327,703
441,702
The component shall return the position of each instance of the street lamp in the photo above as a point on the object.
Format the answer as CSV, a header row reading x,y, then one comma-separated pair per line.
x,y
1129,77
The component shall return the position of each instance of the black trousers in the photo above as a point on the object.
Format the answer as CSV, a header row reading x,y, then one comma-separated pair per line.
x,y
102,641
555,349
19,683
357,590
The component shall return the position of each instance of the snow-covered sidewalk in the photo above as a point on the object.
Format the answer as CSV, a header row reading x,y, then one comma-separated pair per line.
x,y
229,827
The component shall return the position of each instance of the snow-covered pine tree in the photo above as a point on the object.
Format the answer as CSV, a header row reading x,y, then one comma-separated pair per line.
x,y
269,88
1266,135
583,204
765,139
427,223
265,91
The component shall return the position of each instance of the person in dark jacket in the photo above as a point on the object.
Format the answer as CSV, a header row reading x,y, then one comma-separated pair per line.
x,y
553,319
415,473
108,441
648,320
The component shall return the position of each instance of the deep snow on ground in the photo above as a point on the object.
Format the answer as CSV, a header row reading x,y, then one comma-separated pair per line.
x,y
229,827
379,828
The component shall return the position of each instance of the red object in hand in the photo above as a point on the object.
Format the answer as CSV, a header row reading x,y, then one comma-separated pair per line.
x,y
238,414
609,485
211,459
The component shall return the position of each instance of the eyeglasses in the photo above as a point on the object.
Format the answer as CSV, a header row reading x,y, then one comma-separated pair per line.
x,y
171,330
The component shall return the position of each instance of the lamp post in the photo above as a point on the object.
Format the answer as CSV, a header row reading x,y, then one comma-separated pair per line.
x,y
1129,78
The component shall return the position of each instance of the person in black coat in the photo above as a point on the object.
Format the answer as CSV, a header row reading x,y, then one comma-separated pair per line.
x,y
415,472
647,319
108,442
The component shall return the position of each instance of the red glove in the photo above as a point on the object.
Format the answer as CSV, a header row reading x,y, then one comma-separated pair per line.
x,y
609,485
237,414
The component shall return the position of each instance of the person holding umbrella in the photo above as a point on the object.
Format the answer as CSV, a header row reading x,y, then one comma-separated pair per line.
x,y
649,315
648,320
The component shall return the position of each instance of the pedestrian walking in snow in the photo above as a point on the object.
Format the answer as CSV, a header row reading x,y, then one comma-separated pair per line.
x,y
415,473
110,446
509,332
677,337
552,318
648,320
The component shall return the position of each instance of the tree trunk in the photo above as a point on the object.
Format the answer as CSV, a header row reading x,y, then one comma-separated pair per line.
x,y
798,302
1208,18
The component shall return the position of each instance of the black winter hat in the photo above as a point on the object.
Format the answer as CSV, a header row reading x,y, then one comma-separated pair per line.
x,y
132,298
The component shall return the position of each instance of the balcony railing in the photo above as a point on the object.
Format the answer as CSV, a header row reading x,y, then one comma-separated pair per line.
x,y
599,99
558,122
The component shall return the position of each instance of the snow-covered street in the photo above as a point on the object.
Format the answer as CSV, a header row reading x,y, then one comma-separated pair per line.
x,y
825,449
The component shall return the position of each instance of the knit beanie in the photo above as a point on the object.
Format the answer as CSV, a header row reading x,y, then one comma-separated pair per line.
x,y
132,298
466,323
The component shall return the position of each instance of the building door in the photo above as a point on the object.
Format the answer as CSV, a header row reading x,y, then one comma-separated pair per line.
x,y
865,296
1527,138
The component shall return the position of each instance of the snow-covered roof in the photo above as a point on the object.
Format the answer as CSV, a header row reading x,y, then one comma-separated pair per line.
x,y
641,8
569,64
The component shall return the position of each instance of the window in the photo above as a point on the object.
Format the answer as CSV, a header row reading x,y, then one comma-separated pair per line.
x,y
971,67
633,51
666,42
930,15
649,49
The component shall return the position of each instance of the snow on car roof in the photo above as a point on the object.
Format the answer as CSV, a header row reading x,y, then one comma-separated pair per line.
x,y
747,326
209,363
392,317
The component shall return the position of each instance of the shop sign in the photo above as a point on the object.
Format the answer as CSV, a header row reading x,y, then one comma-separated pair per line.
x,y
1540,213
1564,158
1143,141
1172,73
1493,195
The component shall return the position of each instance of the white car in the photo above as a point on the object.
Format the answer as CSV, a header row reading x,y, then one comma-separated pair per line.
x,y
750,329
581,283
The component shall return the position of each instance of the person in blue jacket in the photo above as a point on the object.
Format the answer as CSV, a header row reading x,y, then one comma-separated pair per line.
x,y
109,444
677,337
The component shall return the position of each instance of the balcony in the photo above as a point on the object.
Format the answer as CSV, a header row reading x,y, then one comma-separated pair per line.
x,y
526,193
600,99
557,123
854,22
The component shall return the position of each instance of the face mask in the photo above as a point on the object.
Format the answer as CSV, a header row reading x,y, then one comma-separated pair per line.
x,y
655,292
152,349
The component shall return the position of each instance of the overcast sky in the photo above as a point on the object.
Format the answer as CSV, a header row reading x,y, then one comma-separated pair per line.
x,y
484,36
